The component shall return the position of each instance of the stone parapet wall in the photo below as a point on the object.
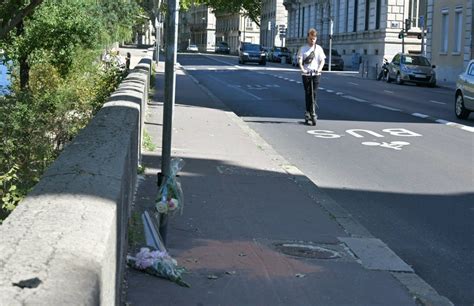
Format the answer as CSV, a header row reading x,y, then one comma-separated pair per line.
x,y
69,233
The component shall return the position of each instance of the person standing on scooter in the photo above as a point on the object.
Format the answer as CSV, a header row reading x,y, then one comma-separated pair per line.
x,y
311,60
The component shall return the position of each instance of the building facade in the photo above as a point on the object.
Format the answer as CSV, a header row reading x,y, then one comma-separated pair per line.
x,y
362,30
449,38
273,23
234,28
197,26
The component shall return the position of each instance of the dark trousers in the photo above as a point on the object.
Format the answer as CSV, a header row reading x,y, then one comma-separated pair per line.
x,y
311,95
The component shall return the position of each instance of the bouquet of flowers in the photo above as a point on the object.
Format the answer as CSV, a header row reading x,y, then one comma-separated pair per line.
x,y
158,263
170,194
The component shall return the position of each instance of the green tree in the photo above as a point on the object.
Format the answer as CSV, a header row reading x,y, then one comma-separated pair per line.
x,y
12,13
60,43
250,8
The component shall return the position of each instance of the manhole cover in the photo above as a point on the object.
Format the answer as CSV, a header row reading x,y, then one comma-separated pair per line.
x,y
307,251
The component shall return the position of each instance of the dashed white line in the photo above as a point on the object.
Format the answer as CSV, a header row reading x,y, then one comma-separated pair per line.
x,y
339,93
419,115
354,98
329,90
353,83
442,121
321,88
388,91
437,102
387,107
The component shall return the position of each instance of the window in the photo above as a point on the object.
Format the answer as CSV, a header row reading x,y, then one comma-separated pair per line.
x,y
471,69
377,14
248,23
367,14
457,30
444,31
356,7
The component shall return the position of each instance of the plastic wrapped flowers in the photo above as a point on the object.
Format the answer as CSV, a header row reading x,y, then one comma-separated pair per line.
x,y
170,194
158,263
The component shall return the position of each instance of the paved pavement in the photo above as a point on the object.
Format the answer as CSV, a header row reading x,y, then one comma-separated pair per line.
x,y
255,230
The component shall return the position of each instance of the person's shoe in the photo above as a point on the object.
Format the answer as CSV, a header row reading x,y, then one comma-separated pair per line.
x,y
313,121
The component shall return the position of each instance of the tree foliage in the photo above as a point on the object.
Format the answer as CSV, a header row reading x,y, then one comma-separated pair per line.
x,y
12,12
250,8
62,42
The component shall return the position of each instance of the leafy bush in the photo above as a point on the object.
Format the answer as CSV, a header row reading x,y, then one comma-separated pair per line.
x,y
35,126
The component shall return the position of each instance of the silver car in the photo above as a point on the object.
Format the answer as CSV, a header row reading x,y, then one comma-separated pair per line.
x,y
411,68
464,98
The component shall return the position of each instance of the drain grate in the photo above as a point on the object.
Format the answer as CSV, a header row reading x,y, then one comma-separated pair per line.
x,y
307,251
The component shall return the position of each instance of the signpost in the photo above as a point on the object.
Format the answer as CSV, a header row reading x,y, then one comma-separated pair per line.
x,y
421,23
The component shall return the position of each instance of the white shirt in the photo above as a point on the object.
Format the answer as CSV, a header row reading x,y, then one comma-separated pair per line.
x,y
319,56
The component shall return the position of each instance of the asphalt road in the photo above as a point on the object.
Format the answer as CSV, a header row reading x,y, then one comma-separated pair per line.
x,y
394,156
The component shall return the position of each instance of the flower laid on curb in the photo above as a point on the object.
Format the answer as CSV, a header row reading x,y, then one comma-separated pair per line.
x,y
158,263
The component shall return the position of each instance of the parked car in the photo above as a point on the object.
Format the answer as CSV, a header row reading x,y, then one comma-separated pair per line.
x,y
464,98
223,47
337,63
192,48
411,68
276,53
249,52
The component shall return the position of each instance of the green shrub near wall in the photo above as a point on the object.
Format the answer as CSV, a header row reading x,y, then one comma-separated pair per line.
x,y
36,125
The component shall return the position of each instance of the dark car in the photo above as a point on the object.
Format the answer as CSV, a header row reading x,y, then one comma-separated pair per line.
x,y
411,68
337,63
276,53
223,48
249,52
464,98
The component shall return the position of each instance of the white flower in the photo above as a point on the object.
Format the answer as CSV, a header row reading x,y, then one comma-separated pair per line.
x,y
162,207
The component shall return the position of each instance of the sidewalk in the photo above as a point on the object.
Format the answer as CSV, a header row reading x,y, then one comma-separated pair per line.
x,y
247,212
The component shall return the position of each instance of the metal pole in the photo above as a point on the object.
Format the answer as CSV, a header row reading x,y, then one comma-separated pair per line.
x,y
157,41
169,91
423,49
330,43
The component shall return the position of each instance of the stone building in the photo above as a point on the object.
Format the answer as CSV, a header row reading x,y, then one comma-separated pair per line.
x,y
273,23
449,39
364,31
234,28
197,26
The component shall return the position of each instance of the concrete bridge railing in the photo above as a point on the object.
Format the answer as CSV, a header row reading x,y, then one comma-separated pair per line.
x,y
67,239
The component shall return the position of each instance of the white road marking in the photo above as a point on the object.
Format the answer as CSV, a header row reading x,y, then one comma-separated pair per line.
x,y
387,107
237,87
320,88
353,83
329,90
339,93
437,102
419,115
354,98
396,145
442,121
388,91
468,128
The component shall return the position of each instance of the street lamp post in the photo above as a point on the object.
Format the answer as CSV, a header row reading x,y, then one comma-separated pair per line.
x,y
170,94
